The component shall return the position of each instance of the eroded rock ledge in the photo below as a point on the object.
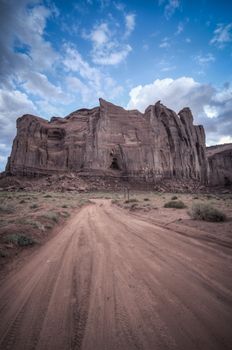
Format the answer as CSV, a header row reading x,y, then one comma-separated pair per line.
x,y
112,141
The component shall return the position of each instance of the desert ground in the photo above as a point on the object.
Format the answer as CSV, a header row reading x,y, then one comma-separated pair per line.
x,y
101,271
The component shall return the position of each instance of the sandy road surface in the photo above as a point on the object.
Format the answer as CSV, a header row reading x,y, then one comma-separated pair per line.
x,y
109,281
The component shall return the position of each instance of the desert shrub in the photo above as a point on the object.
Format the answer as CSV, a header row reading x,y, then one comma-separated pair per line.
x,y
34,223
52,216
64,206
209,196
49,226
7,209
175,204
174,198
195,197
19,239
134,206
34,206
132,200
47,196
26,221
146,199
3,254
84,201
22,201
202,211
65,214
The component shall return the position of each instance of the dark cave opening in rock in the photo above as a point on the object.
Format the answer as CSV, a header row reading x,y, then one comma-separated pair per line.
x,y
114,164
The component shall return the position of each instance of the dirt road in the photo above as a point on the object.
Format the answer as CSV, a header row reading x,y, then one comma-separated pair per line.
x,y
109,280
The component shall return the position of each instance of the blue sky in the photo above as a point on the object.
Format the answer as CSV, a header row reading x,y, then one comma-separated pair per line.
x,y
58,56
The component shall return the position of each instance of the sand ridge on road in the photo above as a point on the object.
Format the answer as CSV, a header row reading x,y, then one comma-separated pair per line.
x,y
109,280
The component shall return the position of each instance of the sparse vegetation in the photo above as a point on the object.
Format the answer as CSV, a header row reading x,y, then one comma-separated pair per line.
x,y
65,214
19,239
52,216
206,212
133,206
131,200
34,206
175,204
3,254
7,209
174,198
146,199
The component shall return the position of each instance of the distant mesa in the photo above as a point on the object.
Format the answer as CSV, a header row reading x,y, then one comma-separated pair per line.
x,y
111,141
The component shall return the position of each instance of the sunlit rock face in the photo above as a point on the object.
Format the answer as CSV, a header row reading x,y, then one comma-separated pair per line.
x,y
220,164
110,140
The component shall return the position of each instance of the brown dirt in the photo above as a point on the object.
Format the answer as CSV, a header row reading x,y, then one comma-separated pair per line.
x,y
110,280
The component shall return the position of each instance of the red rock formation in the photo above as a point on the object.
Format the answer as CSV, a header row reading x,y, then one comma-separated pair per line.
x,y
220,164
111,140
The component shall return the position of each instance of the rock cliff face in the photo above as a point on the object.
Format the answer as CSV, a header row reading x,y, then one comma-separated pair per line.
x,y
220,164
110,140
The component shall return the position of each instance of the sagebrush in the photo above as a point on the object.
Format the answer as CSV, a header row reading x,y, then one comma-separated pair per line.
x,y
206,212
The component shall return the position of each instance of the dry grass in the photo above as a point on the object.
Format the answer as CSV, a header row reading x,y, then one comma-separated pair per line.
x,y
35,214
175,204
206,212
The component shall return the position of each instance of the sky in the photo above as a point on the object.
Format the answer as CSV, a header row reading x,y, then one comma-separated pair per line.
x,y
59,56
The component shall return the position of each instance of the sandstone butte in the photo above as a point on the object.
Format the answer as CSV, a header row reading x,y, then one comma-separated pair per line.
x,y
111,141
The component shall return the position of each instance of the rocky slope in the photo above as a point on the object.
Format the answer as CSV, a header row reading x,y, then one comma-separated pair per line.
x,y
111,141
220,164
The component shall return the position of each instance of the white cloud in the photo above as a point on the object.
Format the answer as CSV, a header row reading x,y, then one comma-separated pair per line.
x,y
164,43
180,28
100,35
87,81
114,57
188,40
173,93
109,46
170,7
210,107
12,105
39,85
225,139
3,159
80,88
23,47
224,95
203,60
210,111
222,35
130,23
168,68
74,62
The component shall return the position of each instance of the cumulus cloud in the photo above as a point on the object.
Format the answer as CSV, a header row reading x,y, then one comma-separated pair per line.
x,y
23,47
87,81
109,46
12,105
39,85
222,35
210,107
26,58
